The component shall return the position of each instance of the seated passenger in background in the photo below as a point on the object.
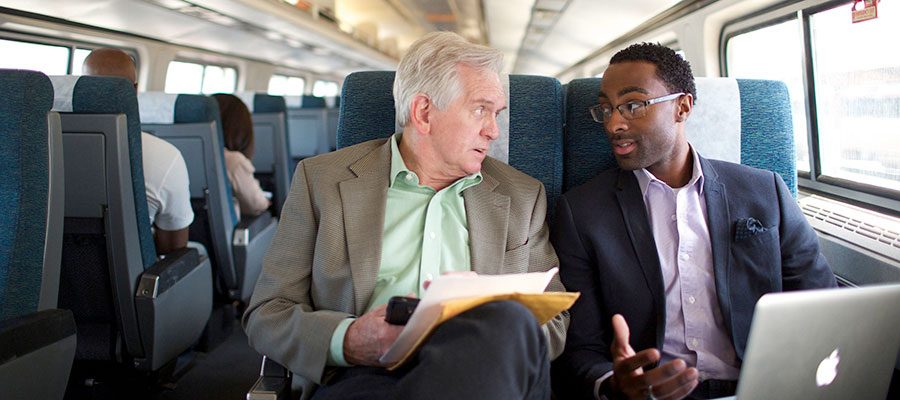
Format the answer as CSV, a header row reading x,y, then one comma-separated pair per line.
x,y
375,220
165,173
679,246
237,125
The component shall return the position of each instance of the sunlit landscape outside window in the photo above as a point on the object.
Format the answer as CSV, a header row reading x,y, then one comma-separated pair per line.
x,y
857,75
325,89
775,52
280,85
51,60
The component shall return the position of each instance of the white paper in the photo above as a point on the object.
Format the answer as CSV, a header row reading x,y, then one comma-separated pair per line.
x,y
447,287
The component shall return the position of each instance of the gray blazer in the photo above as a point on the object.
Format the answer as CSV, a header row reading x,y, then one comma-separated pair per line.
x,y
324,259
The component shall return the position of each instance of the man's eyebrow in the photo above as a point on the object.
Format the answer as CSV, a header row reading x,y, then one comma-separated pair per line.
x,y
624,91
632,89
487,102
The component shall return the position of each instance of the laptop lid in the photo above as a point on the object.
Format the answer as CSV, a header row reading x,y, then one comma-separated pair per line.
x,y
823,344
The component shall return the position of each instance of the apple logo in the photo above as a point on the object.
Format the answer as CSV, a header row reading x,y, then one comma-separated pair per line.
x,y
827,370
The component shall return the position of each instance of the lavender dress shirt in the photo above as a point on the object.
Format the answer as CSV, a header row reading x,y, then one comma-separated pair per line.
x,y
695,330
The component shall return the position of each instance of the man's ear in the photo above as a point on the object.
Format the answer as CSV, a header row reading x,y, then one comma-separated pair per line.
x,y
685,106
420,113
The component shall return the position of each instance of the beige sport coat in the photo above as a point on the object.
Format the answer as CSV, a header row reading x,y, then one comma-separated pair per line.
x,y
324,259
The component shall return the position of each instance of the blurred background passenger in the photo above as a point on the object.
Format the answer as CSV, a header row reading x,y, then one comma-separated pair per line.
x,y
238,128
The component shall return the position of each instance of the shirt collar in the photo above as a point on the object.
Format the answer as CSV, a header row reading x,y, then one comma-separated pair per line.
x,y
644,177
399,172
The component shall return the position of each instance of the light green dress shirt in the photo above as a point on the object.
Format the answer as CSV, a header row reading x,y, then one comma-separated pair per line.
x,y
425,234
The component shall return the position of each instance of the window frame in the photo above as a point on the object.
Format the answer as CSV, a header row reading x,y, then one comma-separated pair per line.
x,y
865,195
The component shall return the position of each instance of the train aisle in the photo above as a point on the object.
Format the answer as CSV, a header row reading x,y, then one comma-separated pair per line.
x,y
226,373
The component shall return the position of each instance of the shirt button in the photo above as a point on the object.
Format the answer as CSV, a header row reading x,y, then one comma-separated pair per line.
x,y
685,256
432,235
694,342
409,177
674,217
691,299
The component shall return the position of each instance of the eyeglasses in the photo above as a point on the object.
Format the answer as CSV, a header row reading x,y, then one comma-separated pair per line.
x,y
630,110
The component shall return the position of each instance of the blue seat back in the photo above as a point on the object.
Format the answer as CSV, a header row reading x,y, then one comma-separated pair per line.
x,y
27,97
118,97
190,108
762,133
107,242
308,101
535,121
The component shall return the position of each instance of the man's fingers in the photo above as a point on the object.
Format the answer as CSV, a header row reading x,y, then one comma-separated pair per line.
x,y
663,373
630,364
677,386
621,347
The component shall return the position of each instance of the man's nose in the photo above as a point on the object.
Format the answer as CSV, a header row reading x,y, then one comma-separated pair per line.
x,y
491,129
616,122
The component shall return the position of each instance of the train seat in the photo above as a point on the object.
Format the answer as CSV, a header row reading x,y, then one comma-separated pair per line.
x,y
192,123
37,340
131,308
740,120
270,158
530,140
311,127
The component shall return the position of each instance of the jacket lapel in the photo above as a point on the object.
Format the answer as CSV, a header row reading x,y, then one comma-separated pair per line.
x,y
717,219
638,226
363,199
487,215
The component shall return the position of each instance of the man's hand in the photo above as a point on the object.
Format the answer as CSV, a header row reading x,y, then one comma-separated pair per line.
x,y
673,380
368,337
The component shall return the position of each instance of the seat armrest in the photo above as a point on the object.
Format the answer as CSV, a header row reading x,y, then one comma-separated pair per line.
x,y
163,274
173,301
249,227
274,382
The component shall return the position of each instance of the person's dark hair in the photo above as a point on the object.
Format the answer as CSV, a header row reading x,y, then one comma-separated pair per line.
x,y
671,68
237,124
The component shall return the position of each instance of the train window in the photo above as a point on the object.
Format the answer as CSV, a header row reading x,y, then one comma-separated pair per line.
x,y
281,85
49,59
775,52
187,77
325,89
219,79
182,77
857,96
78,60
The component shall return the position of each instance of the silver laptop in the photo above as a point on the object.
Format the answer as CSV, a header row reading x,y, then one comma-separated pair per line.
x,y
823,344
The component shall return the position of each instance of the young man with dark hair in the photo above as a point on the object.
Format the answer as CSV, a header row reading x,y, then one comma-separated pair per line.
x,y
670,250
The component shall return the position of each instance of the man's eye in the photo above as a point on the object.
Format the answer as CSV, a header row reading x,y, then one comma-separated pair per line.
x,y
633,106
480,111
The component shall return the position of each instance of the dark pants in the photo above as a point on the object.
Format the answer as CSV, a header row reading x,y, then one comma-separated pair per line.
x,y
495,351
713,389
